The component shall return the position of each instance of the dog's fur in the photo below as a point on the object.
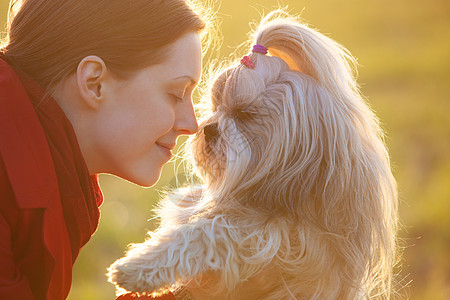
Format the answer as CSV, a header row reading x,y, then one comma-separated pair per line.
x,y
296,188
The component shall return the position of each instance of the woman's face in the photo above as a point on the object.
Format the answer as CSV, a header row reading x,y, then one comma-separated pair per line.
x,y
145,115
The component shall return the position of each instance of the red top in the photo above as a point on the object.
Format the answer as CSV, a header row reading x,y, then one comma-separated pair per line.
x,y
49,203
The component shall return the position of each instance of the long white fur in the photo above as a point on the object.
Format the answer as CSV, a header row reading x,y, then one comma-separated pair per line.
x,y
300,195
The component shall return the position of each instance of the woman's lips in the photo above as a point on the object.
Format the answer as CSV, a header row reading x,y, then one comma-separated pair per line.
x,y
166,148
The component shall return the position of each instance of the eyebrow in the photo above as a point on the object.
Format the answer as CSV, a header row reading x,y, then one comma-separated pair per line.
x,y
193,81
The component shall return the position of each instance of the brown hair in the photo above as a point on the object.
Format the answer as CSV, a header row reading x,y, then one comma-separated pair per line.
x,y
48,38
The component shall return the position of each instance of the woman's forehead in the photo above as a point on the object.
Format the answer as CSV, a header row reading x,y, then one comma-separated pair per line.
x,y
185,57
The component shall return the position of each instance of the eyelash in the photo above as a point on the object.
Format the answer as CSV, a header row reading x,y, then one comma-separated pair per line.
x,y
177,99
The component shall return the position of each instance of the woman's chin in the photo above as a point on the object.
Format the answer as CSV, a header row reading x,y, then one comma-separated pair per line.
x,y
144,180
147,182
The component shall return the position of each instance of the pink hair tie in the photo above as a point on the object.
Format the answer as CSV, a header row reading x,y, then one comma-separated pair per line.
x,y
260,49
246,60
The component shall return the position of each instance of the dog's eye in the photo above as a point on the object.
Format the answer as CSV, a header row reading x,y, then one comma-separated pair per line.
x,y
244,115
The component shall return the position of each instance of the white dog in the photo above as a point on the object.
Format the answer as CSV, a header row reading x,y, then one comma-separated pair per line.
x,y
296,183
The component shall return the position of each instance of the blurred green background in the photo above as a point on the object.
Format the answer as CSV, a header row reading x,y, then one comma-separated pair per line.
x,y
403,47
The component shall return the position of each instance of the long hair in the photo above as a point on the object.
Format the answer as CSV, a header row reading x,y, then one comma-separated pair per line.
x,y
47,39
297,143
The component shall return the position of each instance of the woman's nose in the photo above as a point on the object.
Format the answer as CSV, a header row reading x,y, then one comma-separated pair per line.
x,y
186,122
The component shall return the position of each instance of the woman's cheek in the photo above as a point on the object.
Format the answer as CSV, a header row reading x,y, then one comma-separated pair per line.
x,y
165,121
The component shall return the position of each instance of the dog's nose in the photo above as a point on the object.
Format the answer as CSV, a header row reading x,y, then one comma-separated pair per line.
x,y
211,132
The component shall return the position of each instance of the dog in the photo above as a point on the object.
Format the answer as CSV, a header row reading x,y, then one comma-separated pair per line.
x,y
296,188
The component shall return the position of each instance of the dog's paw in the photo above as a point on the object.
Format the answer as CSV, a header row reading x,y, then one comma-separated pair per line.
x,y
165,258
130,276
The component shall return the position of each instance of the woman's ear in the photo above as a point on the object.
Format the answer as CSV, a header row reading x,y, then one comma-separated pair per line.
x,y
91,74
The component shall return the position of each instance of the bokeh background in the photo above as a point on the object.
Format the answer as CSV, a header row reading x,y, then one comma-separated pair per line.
x,y
403,48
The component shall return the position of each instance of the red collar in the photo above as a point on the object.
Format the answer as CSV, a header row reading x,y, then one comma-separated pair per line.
x,y
21,134
34,160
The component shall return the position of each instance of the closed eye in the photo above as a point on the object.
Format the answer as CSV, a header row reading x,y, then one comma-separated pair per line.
x,y
176,98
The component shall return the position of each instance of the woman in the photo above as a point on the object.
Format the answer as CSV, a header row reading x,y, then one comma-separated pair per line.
x,y
86,87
